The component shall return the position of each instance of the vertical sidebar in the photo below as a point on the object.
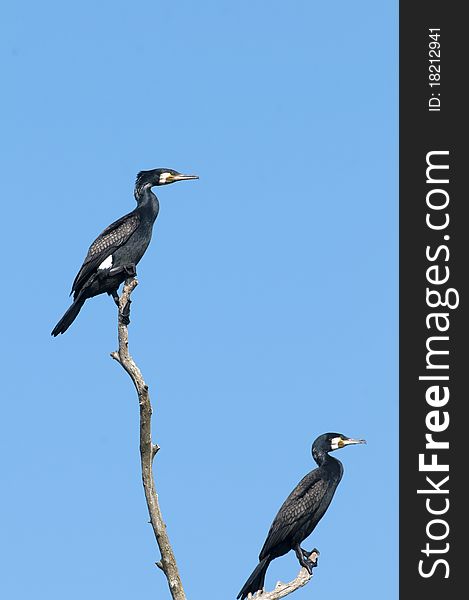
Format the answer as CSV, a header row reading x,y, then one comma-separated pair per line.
x,y
434,235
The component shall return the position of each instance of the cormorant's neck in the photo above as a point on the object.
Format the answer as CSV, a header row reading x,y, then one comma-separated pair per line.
x,y
322,457
146,198
143,192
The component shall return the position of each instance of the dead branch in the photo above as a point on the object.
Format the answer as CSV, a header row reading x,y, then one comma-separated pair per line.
x,y
148,450
283,589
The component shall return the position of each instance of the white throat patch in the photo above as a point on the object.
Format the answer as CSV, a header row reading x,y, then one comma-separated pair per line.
x,y
164,177
106,264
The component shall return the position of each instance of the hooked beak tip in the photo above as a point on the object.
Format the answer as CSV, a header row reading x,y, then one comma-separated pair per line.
x,y
352,441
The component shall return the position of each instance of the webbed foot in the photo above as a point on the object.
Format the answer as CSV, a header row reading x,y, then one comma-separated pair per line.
x,y
305,560
130,270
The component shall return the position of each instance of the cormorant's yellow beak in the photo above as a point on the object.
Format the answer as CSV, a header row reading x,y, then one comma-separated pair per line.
x,y
180,177
352,441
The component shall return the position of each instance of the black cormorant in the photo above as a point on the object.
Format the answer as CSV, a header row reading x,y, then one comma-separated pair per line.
x,y
302,510
113,256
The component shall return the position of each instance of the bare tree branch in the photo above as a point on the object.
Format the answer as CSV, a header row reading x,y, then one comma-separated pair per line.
x,y
283,589
147,449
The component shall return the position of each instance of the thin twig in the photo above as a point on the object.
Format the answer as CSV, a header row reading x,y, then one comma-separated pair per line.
x,y
283,589
147,449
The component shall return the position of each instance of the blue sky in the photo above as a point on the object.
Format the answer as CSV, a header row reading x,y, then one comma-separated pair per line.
x,y
267,307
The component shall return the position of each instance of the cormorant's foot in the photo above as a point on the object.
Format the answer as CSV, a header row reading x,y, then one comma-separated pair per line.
x,y
307,553
308,565
130,270
305,560
125,319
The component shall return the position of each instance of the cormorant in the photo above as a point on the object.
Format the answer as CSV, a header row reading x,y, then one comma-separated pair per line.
x,y
113,256
302,510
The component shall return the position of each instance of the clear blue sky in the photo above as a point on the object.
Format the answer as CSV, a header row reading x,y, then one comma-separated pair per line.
x,y
267,307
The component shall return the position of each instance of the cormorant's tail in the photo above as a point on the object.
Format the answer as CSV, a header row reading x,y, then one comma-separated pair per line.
x,y
69,316
256,579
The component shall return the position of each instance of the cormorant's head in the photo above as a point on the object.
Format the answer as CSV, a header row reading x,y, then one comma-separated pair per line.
x,y
327,442
160,177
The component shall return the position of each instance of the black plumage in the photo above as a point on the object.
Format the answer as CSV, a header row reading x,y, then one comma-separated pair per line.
x,y
302,510
113,256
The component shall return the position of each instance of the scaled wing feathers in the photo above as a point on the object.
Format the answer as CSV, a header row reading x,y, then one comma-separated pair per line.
x,y
295,511
111,238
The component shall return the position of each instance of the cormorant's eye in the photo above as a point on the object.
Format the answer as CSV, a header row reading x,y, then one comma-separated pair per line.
x,y
341,443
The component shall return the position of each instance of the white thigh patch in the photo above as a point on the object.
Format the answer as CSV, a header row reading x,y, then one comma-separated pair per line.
x,y
107,263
